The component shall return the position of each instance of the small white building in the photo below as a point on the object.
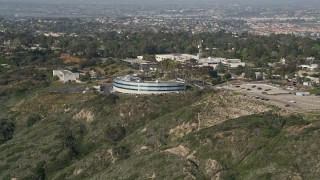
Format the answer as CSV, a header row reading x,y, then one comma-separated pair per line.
x,y
282,61
303,94
66,75
93,74
260,75
309,83
311,67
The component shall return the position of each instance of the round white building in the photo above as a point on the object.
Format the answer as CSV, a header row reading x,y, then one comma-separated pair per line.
x,y
132,84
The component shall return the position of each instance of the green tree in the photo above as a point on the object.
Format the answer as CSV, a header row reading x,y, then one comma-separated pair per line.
x,y
221,68
245,53
68,139
85,77
6,130
227,76
240,70
40,170
216,80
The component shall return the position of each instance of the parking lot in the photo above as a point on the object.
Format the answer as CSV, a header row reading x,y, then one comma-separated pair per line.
x,y
260,88
303,102
280,97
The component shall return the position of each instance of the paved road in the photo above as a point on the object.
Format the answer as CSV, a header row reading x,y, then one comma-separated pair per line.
x,y
80,88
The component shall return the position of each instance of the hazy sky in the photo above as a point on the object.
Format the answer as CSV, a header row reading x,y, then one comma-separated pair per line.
x,y
291,2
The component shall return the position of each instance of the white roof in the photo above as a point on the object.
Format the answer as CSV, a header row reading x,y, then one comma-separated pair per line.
x,y
209,60
235,65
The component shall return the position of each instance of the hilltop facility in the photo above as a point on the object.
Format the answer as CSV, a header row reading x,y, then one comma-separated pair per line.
x,y
175,57
210,61
66,75
132,84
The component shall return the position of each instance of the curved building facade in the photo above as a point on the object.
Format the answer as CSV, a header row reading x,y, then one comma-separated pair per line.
x,y
133,85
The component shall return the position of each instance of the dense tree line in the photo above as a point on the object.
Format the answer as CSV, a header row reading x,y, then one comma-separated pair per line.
x,y
250,48
247,47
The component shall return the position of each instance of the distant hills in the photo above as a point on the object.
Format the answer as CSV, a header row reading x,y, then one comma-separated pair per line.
x,y
154,2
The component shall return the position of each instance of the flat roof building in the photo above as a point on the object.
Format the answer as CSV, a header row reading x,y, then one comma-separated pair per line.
x,y
176,57
311,67
213,62
66,75
131,84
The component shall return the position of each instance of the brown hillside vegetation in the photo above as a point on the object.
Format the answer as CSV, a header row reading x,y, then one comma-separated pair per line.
x,y
67,58
199,134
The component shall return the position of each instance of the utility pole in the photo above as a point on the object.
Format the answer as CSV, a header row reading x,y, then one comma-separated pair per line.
x,y
199,121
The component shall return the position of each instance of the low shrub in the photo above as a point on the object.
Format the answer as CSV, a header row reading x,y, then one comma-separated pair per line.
x,y
32,119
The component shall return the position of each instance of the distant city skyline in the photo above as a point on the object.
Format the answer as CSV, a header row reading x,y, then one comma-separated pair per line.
x,y
204,9
255,2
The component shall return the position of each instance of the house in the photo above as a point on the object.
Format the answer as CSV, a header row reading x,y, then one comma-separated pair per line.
x,y
282,61
311,67
260,75
309,83
93,74
66,75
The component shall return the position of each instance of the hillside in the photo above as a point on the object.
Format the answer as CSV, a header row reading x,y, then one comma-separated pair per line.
x,y
116,136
